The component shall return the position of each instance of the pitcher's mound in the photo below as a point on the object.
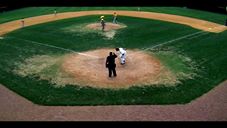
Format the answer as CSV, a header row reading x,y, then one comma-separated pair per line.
x,y
140,69
109,26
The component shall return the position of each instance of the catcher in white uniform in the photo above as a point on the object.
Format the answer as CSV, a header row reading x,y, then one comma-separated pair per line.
x,y
122,55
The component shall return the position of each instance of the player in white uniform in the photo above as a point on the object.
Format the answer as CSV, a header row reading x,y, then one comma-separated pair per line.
x,y
122,55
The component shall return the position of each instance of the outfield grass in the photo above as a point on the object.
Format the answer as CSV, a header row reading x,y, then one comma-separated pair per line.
x,y
36,11
208,55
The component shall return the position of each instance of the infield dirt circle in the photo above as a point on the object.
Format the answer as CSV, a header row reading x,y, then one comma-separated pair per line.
x,y
140,69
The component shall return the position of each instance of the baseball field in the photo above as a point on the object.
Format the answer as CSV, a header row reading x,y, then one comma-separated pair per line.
x,y
174,55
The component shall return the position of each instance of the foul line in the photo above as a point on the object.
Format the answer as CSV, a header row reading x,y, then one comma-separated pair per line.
x,y
176,39
179,38
52,46
182,37
69,50
192,35
198,35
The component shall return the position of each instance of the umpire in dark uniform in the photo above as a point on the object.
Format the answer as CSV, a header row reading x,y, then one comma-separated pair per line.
x,y
110,64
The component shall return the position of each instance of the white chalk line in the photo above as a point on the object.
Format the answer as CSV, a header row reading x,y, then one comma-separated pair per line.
x,y
92,56
173,40
52,46
195,35
189,36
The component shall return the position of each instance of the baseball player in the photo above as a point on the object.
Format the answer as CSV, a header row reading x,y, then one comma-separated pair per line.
x,y
22,23
115,18
55,12
122,55
101,17
103,24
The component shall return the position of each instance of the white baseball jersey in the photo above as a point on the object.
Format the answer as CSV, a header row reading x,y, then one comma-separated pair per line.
x,y
122,55
122,51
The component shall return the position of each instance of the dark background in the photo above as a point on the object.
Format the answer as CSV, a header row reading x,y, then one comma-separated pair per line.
x,y
218,6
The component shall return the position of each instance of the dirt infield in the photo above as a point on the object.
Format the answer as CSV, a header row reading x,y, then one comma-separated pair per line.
x,y
140,69
195,23
88,69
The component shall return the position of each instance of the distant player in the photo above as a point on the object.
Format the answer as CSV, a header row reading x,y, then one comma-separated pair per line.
x,y
101,17
22,23
103,24
122,55
138,8
115,18
55,12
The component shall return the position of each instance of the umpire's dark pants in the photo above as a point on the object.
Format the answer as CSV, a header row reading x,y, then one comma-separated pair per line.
x,y
112,70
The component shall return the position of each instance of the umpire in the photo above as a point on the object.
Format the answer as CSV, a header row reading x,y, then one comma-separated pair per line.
x,y
110,64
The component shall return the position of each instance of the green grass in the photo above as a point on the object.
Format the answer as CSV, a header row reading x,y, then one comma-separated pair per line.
x,y
36,11
176,63
207,52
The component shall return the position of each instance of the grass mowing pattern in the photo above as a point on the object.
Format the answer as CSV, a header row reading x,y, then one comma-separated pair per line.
x,y
142,33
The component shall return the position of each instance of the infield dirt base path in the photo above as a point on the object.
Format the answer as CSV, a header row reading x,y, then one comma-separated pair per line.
x,y
209,107
195,23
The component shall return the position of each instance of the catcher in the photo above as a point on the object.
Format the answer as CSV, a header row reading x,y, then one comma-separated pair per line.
x,y
122,55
